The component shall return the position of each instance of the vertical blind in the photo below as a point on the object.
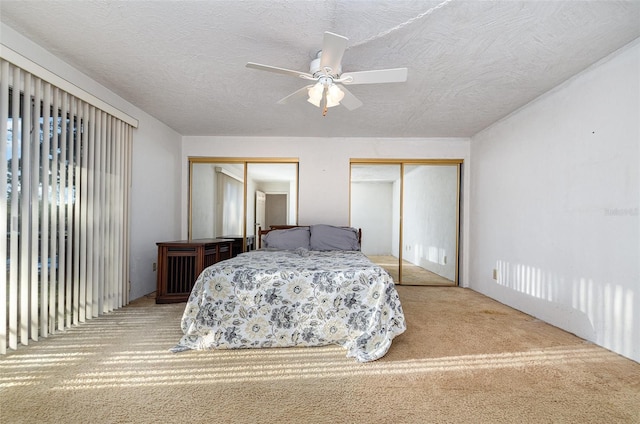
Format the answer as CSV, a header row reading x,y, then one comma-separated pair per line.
x,y
65,172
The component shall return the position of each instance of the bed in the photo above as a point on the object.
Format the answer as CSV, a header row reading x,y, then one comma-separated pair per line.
x,y
306,286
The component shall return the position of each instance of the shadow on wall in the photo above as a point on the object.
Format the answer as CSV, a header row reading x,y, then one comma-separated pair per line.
x,y
602,313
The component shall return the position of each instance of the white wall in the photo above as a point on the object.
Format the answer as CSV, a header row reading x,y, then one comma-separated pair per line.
x,y
155,214
324,175
554,200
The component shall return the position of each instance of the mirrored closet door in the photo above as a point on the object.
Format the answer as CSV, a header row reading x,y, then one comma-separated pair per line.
x,y
430,224
233,197
216,199
409,214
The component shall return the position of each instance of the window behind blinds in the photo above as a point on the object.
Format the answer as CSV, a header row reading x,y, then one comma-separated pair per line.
x,y
64,172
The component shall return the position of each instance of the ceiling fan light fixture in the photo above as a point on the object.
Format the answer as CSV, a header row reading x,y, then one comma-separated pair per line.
x,y
315,102
334,95
315,94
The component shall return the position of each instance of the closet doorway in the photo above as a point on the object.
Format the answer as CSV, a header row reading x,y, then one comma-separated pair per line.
x,y
409,214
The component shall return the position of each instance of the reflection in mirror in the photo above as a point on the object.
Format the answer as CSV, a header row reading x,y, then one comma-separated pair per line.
x,y
430,224
217,207
217,203
408,213
272,195
375,208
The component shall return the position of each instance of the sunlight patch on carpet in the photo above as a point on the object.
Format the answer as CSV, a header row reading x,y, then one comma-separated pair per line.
x,y
246,366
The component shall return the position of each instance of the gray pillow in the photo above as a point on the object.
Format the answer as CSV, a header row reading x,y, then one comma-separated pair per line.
x,y
289,239
328,237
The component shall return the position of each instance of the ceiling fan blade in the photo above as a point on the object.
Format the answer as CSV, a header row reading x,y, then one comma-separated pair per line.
x,y
295,96
375,77
333,47
349,101
278,70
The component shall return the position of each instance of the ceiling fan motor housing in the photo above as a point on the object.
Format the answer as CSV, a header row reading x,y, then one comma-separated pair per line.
x,y
316,71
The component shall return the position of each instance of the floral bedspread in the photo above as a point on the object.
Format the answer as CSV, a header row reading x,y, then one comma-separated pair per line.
x,y
294,298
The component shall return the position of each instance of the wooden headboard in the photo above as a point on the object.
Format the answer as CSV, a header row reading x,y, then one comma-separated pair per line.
x,y
262,232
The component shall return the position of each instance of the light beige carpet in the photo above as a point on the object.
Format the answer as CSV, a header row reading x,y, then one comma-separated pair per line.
x,y
464,359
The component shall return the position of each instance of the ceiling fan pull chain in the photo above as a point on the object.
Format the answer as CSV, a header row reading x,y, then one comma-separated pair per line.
x,y
325,108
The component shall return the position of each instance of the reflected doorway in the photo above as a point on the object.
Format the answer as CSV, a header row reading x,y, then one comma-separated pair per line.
x,y
276,209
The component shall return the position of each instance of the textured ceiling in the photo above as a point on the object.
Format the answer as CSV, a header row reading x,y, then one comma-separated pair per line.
x,y
470,62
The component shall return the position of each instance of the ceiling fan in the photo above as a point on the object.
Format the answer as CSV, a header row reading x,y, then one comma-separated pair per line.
x,y
328,80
